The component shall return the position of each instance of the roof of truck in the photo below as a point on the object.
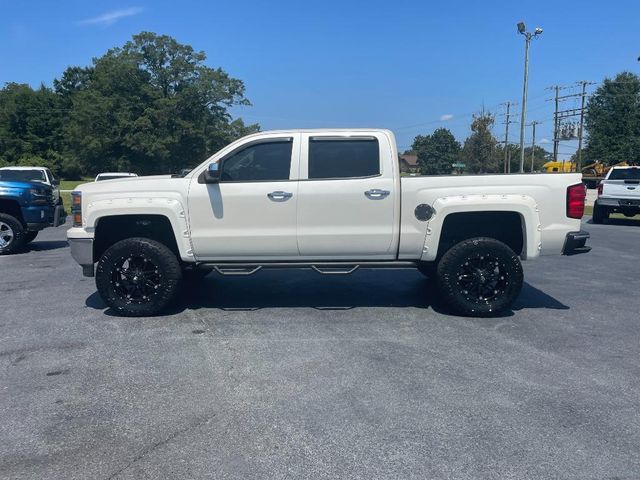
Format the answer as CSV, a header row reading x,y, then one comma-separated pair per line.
x,y
22,168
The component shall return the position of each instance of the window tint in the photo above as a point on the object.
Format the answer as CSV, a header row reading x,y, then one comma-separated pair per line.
x,y
625,174
343,158
259,162
23,175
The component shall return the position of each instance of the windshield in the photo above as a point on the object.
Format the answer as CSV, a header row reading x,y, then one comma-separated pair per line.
x,y
625,174
23,175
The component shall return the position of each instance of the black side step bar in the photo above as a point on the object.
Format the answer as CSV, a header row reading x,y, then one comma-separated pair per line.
x,y
324,268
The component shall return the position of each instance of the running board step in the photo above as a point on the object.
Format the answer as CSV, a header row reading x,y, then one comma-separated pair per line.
x,y
337,270
231,270
324,268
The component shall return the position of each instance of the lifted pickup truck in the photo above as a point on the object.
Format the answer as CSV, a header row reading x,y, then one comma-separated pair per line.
x,y
619,192
27,205
329,200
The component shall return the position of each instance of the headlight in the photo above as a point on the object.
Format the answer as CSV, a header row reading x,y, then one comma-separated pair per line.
x,y
39,196
76,208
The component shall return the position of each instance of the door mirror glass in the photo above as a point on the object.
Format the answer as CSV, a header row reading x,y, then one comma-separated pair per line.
x,y
212,173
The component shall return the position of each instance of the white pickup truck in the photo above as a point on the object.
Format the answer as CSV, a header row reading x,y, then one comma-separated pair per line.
x,y
619,192
329,200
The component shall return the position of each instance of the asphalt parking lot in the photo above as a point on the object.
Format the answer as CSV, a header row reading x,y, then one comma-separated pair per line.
x,y
297,375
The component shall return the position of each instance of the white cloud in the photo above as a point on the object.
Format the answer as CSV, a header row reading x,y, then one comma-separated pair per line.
x,y
446,116
109,18
545,140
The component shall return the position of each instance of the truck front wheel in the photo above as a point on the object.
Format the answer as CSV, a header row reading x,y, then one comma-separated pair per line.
x,y
138,277
11,234
480,277
30,237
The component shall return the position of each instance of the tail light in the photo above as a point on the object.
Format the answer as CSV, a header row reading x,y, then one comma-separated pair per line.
x,y
76,208
600,186
576,196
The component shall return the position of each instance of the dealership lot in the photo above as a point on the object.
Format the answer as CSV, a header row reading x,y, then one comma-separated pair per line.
x,y
296,375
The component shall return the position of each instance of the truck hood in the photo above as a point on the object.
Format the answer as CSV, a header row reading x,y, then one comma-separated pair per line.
x,y
153,183
15,184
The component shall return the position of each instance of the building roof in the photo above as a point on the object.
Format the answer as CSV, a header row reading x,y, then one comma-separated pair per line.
x,y
411,160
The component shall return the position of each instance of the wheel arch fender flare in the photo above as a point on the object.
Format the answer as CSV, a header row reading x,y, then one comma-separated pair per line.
x,y
524,205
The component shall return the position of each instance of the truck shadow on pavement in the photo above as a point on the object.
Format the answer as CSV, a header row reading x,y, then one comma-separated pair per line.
x,y
42,246
301,289
627,222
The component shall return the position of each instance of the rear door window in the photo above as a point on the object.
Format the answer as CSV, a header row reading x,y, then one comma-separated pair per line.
x,y
336,158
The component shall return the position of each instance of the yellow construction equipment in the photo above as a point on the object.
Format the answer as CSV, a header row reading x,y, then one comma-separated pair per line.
x,y
561,167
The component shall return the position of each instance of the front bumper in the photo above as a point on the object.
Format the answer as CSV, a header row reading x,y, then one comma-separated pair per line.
x,y
40,217
575,243
82,253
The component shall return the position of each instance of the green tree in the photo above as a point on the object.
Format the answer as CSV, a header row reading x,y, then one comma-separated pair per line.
x,y
479,149
612,121
151,106
436,152
31,124
540,157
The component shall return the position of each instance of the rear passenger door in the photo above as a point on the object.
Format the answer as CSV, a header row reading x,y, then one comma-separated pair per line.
x,y
346,198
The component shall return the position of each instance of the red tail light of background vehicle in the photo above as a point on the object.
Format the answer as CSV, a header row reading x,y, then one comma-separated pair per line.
x,y
576,196
600,189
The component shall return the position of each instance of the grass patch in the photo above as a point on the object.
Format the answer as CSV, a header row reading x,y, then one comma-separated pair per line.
x,y
70,185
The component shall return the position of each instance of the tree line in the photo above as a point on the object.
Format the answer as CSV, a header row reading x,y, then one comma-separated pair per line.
x,y
149,106
612,127
152,106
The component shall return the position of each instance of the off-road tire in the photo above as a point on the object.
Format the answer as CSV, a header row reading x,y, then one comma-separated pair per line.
x,y
479,262
600,214
117,285
30,237
17,240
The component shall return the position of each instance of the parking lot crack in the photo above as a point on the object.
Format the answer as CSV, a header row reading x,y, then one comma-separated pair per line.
x,y
151,448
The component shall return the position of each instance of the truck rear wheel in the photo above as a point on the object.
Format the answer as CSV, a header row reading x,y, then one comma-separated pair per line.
x,y
480,277
138,277
600,214
11,234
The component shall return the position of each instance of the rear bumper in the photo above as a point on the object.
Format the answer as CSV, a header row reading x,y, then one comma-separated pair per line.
x,y
618,202
82,253
575,243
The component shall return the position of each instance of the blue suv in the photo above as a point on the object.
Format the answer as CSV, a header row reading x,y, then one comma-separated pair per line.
x,y
27,206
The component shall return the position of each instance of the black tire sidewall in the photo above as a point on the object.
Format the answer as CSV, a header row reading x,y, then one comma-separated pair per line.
x,y
30,237
161,255
18,234
454,257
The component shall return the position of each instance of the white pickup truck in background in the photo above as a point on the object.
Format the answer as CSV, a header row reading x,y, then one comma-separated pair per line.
x,y
619,192
330,200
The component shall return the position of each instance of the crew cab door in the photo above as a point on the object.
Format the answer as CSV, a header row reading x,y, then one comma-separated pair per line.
x,y
250,214
348,199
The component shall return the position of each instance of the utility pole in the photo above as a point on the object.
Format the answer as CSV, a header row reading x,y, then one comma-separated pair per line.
x,y
523,109
507,163
583,94
559,115
555,125
533,142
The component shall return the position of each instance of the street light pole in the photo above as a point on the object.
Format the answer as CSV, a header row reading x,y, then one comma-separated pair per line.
x,y
523,111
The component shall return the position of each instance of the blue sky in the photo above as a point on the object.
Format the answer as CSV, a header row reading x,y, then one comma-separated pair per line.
x,y
403,65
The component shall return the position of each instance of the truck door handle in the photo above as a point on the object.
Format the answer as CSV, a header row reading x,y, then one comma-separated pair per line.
x,y
376,194
279,196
